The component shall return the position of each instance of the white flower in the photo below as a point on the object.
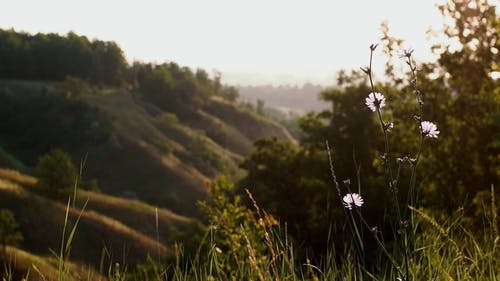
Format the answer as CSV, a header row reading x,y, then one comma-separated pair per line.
x,y
429,129
375,101
351,199
389,126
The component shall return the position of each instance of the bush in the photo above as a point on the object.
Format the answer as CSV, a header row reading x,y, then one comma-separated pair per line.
x,y
9,233
56,172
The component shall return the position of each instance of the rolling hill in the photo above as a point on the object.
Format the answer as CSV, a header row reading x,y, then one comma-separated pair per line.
x,y
151,135
111,228
131,146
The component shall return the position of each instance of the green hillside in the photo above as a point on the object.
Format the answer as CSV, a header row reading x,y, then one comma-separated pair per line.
x,y
153,132
132,147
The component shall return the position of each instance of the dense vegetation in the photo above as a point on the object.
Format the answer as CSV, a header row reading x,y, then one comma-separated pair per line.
x,y
53,57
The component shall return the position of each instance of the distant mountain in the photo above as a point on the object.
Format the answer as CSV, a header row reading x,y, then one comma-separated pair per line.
x,y
286,98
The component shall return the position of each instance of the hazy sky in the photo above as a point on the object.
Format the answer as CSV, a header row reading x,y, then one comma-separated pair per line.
x,y
250,42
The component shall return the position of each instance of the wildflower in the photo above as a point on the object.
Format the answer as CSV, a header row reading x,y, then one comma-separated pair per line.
x,y
406,53
389,126
375,101
218,250
351,199
429,129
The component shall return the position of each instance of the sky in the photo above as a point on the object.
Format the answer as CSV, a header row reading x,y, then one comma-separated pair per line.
x,y
251,42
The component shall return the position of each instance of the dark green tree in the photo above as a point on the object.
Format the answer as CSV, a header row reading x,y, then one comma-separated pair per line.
x,y
9,230
53,57
290,182
56,172
465,161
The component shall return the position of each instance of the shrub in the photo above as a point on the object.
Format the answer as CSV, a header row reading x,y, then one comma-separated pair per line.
x,y
56,172
9,233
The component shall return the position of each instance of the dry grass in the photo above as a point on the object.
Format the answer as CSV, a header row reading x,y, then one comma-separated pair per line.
x,y
256,126
136,214
17,177
135,136
43,268
41,221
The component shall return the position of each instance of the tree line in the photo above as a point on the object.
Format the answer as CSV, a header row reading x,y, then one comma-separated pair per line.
x,y
53,57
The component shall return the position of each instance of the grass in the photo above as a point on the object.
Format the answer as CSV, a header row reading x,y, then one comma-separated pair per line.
x,y
17,177
446,250
21,264
239,117
124,229
136,214
160,151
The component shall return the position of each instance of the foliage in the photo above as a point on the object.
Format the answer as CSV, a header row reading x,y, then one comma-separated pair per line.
x,y
56,172
464,99
288,182
91,185
229,93
36,121
72,87
177,89
202,157
9,230
232,225
53,57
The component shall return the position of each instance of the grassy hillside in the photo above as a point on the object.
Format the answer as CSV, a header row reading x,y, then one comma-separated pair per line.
x,y
131,146
20,264
112,228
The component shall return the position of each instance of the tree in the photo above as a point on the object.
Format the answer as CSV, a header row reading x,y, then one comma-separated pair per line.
x,y
229,93
291,183
349,127
260,107
56,172
9,232
466,161
53,57
461,95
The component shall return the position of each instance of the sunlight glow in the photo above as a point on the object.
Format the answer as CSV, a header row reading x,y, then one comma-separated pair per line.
x,y
250,42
